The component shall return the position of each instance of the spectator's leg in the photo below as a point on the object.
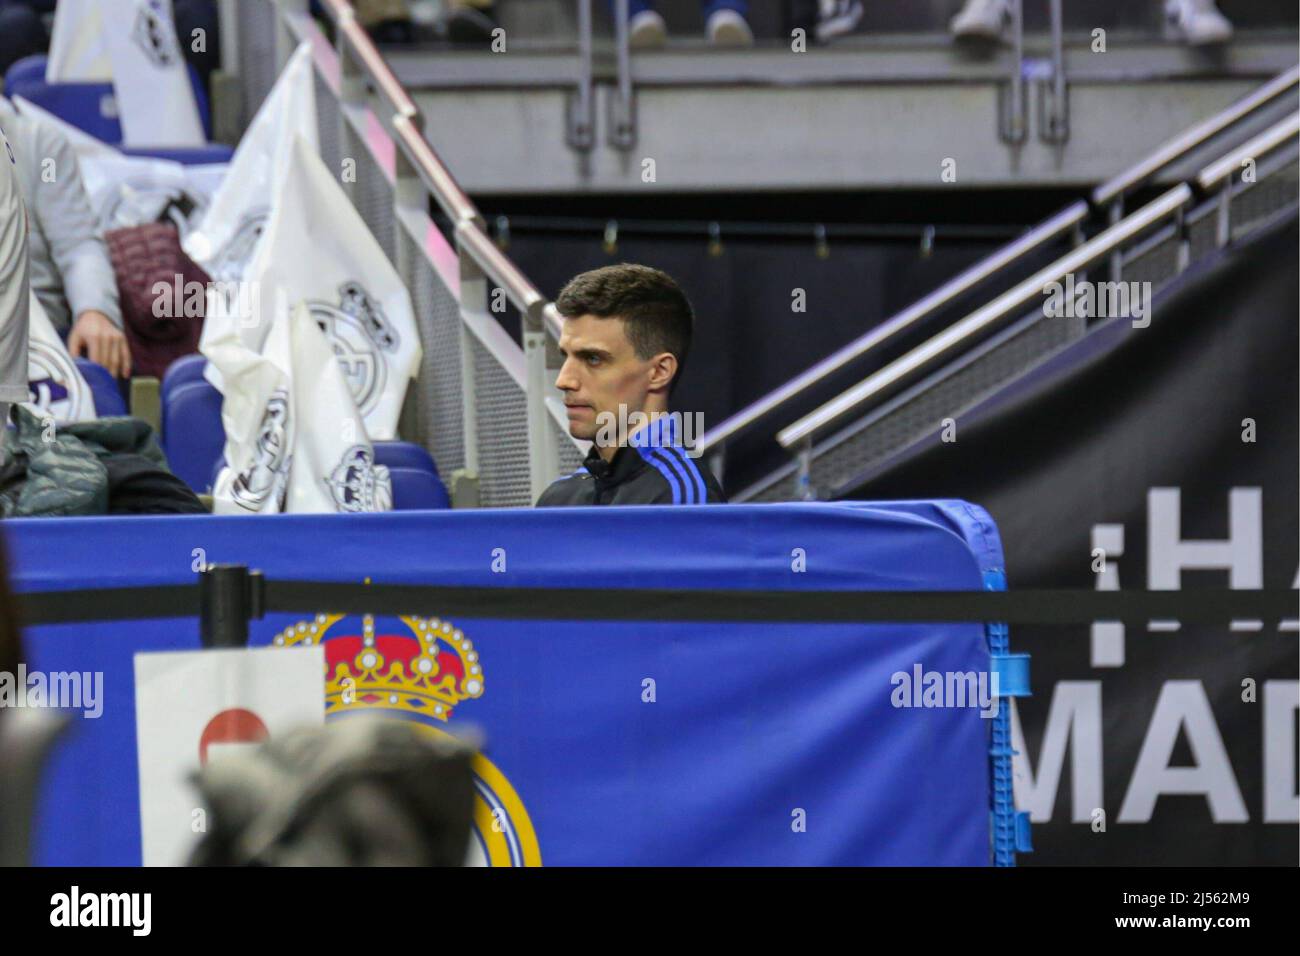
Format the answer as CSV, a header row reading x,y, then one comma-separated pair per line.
x,y
387,21
837,17
1198,21
21,34
471,21
980,20
725,24
646,29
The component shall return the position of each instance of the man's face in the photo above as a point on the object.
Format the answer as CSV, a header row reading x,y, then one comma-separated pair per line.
x,y
601,371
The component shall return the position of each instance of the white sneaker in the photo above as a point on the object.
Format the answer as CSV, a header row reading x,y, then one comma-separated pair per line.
x,y
1199,21
647,31
728,28
980,20
835,18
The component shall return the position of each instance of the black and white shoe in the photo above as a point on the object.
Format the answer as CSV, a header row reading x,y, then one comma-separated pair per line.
x,y
470,26
835,18
980,20
1198,22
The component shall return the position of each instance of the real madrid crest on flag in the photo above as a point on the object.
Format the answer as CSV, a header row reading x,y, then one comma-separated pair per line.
x,y
154,34
133,44
353,292
58,390
262,479
421,670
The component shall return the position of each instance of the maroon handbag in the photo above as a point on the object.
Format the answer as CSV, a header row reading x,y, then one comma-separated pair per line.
x,y
162,293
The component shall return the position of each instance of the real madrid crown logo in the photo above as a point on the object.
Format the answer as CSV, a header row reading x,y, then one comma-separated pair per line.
x,y
423,666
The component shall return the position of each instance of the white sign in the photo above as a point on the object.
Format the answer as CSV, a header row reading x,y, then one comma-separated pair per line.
x,y
192,707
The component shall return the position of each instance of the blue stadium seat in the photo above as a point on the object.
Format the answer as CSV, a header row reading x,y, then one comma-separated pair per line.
x,y
186,156
30,69
187,368
192,434
104,388
404,454
415,489
91,107
191,410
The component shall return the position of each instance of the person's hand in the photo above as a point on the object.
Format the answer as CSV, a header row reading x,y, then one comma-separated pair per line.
x,y
95,335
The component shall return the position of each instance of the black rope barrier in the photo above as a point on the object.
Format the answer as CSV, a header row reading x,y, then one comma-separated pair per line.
x,y
229,596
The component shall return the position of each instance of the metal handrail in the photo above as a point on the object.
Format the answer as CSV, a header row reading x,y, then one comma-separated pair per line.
x,y
436,177
1214,174
1073,215
407,123
1141,172
1041,234
489,257
1211,177
1006,304
368,56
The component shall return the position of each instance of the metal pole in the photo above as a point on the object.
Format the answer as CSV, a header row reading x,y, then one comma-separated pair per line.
x,y
1058,122
1016,121
718,462
1117,257
1183,238
803,483
622,127
581,111
1223,217
229,596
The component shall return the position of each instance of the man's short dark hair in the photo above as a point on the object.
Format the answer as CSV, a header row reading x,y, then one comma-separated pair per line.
x,y
655,312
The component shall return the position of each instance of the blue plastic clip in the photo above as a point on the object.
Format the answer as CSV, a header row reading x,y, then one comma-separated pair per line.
x,y
1024,844
1012,671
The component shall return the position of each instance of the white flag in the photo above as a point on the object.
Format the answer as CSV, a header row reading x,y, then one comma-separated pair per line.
x,y
192,707
132,43
132,190
226,240
257,414
334,466
317,248
294,439
57,388
77,50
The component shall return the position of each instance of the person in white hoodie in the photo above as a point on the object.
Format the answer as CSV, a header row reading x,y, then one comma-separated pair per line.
x,y
14,307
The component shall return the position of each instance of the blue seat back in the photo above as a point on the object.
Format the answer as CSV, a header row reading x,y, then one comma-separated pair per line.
x,y
415,489
193,436
194,439
91,107
103,387
185,155
187,368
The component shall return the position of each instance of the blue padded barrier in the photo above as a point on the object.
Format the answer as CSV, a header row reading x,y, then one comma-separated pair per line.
x,y
764,743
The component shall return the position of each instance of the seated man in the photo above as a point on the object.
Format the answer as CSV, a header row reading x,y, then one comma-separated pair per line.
x,y
70,270
627,330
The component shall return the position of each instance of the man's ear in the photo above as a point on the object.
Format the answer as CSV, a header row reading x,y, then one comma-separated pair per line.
x,y
663,368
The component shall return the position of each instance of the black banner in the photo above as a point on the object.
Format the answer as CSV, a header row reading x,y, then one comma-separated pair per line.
x,y
1161,457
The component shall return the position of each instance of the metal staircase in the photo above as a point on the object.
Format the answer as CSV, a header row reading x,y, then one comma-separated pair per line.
x,y
852,432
